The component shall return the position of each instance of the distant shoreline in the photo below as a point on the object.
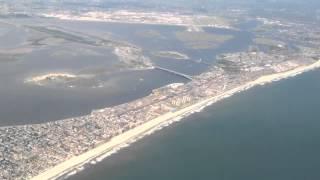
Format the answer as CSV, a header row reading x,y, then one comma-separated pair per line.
x,y
140,131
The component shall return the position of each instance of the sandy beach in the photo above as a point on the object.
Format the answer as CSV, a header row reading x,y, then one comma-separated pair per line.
x,y
118,141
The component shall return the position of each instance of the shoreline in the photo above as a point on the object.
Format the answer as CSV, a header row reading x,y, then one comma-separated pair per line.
x,y
69,17
105,149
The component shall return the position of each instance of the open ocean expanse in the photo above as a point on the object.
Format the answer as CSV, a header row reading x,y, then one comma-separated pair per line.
x,y
270,132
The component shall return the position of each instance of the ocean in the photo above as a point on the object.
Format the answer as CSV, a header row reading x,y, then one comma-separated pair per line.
x,y
267,132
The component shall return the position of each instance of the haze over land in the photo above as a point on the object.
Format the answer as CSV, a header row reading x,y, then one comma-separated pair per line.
x,y
86,78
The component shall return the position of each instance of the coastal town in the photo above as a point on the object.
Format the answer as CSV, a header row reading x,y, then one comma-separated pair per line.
x,y
29,150
160,18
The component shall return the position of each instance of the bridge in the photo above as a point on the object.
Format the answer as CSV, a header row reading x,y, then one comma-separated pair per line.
x,y
174,72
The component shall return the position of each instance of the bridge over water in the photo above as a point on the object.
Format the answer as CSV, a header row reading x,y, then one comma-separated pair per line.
x,y
174,72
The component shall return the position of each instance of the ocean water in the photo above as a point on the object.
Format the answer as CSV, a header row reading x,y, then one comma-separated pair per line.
x,y
270,132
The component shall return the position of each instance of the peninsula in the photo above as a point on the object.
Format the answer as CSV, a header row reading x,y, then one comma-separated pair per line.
x,y
52,150
129,136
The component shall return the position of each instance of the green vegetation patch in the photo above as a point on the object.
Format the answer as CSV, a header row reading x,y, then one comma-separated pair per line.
x,y
229,66
202,40
58,34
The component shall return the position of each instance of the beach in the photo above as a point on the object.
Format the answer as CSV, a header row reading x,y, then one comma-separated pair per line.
x,y
118,141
